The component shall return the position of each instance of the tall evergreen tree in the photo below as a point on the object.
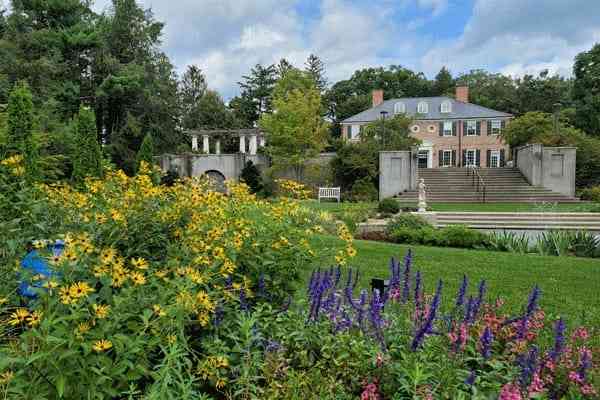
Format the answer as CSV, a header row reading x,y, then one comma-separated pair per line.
x,y
444,83
257,89
20,129
586,90
146,152
283,67
87,157
192,88
316,68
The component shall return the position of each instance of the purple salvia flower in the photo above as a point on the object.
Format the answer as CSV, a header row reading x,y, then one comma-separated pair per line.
x,y
460,297
486,342
228,282
395,274
559,339
261,285
360,309
528,364
585,364
478,300
470,380
376,306
418,294
532,305
406,287
468,310
426,328
218,315
243,303
338,275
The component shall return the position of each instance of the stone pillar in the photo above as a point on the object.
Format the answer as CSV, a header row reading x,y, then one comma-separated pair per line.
x,y
205,144
194,142
263,141
242,144
218,146
253,145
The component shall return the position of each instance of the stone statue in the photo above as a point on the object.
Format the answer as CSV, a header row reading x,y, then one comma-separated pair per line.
x,y
422,197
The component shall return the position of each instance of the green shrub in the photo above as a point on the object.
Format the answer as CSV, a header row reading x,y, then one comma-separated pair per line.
x,y
252,177
461,236
363,190
410,221
388,206
591,194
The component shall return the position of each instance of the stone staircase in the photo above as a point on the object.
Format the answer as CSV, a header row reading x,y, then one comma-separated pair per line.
x,y
508,185
531,221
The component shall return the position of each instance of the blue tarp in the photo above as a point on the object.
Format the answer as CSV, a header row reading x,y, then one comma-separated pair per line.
x,y
34,264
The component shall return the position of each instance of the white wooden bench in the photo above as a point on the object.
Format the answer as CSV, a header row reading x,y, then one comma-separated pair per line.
x,y
329,193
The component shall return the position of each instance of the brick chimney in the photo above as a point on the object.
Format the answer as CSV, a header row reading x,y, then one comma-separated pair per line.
x,y
462,94
377,97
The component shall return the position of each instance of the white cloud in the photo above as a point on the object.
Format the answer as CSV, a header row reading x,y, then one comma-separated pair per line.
x,y
520,36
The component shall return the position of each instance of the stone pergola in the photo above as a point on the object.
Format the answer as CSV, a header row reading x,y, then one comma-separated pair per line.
x,y
254,138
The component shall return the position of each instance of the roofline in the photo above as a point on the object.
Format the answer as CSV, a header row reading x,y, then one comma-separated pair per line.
x,y
436,119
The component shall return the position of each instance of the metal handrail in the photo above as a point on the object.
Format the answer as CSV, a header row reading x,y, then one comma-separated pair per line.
x,y
477,180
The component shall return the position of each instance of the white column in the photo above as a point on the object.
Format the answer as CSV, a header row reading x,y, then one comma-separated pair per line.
x,y
242,144
218,146
205,144
194,143
253,145
263,141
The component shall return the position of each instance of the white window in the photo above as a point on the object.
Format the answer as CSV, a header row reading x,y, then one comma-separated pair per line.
x,y
355,132
471,157
446,107
471,128
399,108
496,127
447,128
422,108
446,158
494,161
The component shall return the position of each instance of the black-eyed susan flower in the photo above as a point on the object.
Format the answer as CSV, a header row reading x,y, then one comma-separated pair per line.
x,y
18,317
137,278
139,263
101,310
34,318
102,345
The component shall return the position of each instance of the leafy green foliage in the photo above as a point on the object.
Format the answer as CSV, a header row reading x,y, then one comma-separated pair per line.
x,y
251,176
20,130
586,90
409,221
146,152
591,193
363,189
388,206
87,159
296,132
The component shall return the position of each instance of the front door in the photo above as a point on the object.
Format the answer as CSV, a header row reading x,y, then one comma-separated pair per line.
x,y
494,159
471,158
423,159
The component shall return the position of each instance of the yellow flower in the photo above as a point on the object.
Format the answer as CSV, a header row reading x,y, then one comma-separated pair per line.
x,y
101,311
158,310
3,300
139,263
65,296
6,377
108,255
137,278
102,345
34,318
351,251
80,289
19,316
203,319
220,383
82,327
51,284
171,339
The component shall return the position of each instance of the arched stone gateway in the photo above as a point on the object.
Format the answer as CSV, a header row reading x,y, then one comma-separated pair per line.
x,y
217,179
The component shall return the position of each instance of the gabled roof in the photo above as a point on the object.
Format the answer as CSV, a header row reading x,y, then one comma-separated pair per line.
x,y
459,110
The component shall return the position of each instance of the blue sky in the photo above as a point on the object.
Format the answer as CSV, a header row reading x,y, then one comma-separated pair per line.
x,y
227,37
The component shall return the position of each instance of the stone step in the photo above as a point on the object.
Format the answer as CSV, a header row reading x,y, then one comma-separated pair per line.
x,y
520,215
493,226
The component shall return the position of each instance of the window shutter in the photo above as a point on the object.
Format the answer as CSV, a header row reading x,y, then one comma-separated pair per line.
x,y
502,155
489,128
454,128
349,131
454,158
477,157
489,158
464,157
440,158
478,131
502,124
464,132
441,132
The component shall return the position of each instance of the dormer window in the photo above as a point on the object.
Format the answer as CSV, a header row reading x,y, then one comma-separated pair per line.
x,y
422,108
446,107
399,108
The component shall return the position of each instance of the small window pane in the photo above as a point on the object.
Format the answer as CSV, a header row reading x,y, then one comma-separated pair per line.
x,y
447,128
496,127
422,108
399,108
446,107
471,128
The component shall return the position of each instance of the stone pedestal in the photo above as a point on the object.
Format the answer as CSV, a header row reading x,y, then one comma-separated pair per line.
x,y
194,143
242,144
253,145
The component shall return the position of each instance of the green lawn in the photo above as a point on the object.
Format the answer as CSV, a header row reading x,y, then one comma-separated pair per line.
x,y
338,208
570,286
